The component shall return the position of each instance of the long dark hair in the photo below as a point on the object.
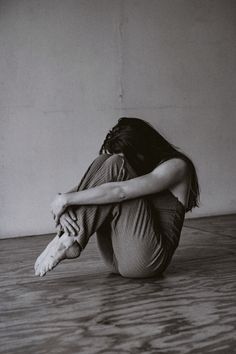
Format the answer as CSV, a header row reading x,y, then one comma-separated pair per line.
x,y
145,148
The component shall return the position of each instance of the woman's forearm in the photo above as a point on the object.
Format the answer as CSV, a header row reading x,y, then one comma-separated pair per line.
x,y
103,194
72,190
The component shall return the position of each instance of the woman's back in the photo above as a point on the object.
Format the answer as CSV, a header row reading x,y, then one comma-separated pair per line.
x,y
169,215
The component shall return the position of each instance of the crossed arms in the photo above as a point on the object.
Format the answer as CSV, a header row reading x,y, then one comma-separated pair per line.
x,y
165,176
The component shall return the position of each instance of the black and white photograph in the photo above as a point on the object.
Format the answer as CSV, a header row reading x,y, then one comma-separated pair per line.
x,y
117,176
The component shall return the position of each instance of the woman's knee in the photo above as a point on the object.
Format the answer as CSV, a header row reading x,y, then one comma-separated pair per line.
x,y
109,159
100,159
105,168
114,159
114,167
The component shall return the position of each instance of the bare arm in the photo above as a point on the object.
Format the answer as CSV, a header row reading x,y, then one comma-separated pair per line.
x,y
163,177
68,219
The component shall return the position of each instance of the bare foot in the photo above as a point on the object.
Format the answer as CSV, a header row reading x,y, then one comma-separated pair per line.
x,y
58,249
45,252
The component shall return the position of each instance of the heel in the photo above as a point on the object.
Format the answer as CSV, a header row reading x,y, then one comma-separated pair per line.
x,y
73,251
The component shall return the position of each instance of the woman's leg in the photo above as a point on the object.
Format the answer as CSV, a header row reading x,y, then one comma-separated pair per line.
x,y
132,245
89,218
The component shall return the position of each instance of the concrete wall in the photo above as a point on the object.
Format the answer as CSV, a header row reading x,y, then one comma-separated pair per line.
x,y
70,68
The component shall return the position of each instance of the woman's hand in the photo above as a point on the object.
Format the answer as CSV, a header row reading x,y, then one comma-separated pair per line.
x,y
58,206
68,222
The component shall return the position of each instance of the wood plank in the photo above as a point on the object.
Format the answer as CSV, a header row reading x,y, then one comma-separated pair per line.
x,y
81,308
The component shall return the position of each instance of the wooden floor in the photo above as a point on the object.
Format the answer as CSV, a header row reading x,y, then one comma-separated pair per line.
x,y
81,308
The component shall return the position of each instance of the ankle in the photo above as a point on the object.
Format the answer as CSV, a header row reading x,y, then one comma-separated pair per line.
x,y
67,241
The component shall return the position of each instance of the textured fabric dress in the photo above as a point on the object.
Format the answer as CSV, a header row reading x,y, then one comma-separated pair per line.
x,y
136,238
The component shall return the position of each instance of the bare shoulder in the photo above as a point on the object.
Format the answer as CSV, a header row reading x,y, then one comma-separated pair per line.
x,y
175,167
175,163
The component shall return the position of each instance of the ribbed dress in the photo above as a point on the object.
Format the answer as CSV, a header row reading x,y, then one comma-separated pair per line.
x,y
137,237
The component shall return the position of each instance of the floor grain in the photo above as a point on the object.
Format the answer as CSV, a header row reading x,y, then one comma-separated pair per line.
x,y
81,308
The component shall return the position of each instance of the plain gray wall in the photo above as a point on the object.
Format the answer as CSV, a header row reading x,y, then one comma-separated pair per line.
x,y
70,68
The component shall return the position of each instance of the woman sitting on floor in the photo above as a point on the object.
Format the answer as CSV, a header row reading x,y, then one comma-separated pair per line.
x,y
134,196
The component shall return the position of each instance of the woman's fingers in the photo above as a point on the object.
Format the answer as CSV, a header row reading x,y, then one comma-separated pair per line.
x,y
60,230
67,226
66,229
72,223
72,214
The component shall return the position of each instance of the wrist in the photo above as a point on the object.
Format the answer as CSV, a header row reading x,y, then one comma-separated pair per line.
x,y
64,199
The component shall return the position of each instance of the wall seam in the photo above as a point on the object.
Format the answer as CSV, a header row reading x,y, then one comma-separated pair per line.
x,y
121,53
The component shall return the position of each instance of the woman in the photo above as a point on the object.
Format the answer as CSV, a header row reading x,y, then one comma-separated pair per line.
x,y
134,196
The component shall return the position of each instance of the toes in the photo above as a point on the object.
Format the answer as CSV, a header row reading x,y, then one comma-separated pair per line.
x,y
37,272
50,257
36,265
40,269
38,260
47,265
41,258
